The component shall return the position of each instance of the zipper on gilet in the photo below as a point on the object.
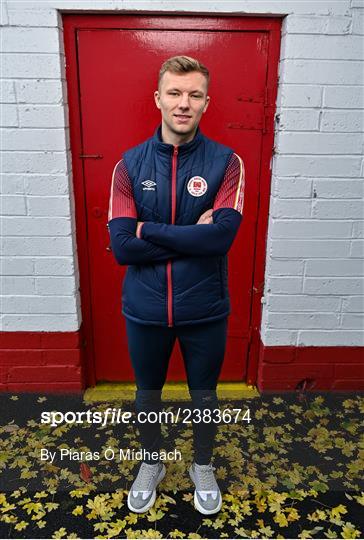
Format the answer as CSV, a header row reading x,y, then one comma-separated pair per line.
x,y
173,217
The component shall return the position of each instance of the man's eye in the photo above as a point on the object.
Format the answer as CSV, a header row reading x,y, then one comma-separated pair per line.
x,y
196,96
173,94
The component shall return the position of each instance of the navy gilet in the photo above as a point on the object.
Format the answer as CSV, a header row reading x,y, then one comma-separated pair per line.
x,y
198,291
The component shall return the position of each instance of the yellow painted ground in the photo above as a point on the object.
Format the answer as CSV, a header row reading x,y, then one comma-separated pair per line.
x,y
171,391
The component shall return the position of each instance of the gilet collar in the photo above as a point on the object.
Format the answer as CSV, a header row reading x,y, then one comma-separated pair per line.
x,y
182,149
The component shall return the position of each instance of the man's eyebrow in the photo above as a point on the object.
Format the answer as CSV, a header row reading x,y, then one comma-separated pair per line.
x,y
178,90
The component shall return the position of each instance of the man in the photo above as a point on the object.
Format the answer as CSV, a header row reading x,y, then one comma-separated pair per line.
x,y
175,207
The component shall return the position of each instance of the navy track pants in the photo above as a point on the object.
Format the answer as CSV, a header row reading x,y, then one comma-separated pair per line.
x,y
203,349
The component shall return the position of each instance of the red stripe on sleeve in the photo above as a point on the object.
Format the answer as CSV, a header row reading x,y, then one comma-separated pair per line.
x,y
231,192
121,202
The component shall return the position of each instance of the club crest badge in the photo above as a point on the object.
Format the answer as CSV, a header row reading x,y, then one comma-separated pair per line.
x,y
197,186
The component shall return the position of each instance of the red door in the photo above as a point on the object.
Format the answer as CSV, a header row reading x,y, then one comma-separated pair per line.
x,y
118,60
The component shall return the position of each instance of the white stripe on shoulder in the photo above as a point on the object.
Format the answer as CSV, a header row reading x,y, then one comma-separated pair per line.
x,y
112,191
240,183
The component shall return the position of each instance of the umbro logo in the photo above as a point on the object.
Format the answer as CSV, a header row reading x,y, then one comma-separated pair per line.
x,y
149,185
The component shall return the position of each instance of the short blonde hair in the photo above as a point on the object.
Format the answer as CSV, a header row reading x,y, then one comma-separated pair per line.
x,y
183,64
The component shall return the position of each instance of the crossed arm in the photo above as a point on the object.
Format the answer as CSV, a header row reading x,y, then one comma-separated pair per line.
x,y
136,242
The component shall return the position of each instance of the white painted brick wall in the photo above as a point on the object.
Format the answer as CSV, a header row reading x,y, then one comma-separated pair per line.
x,y
40,91
321,72
23,226
35,162
33,66
324,170
314,273
30,40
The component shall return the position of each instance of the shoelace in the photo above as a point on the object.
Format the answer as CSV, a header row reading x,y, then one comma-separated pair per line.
x,y
205,477
145,475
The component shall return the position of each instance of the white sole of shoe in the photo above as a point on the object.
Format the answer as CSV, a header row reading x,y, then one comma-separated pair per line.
x,y
203,510
151,501
198,505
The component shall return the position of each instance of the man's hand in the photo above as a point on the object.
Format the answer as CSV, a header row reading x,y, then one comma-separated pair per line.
x,y
138,229
206,218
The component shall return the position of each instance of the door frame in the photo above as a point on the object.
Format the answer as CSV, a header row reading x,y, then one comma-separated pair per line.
x,y
272,27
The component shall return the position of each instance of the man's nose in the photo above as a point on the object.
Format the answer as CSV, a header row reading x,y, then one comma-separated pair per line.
x,y
184,102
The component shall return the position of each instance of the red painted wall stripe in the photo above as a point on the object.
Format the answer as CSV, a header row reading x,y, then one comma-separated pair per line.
x,y
42,361
55,362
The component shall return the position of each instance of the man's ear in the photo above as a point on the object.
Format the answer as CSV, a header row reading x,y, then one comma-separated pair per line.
x,y
206,104
157,98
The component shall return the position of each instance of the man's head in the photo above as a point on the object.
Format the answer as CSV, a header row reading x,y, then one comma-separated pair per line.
x,y
181,97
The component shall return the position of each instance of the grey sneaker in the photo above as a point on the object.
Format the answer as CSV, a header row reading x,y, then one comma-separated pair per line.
x,y
142,493
207,497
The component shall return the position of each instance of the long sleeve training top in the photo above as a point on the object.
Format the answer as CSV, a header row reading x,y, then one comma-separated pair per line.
x,y
158,242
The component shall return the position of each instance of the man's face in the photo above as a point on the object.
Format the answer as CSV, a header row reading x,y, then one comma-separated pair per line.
x,y
182,100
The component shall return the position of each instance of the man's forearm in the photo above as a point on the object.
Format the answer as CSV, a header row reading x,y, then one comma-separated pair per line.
x,y
200,240
128,249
